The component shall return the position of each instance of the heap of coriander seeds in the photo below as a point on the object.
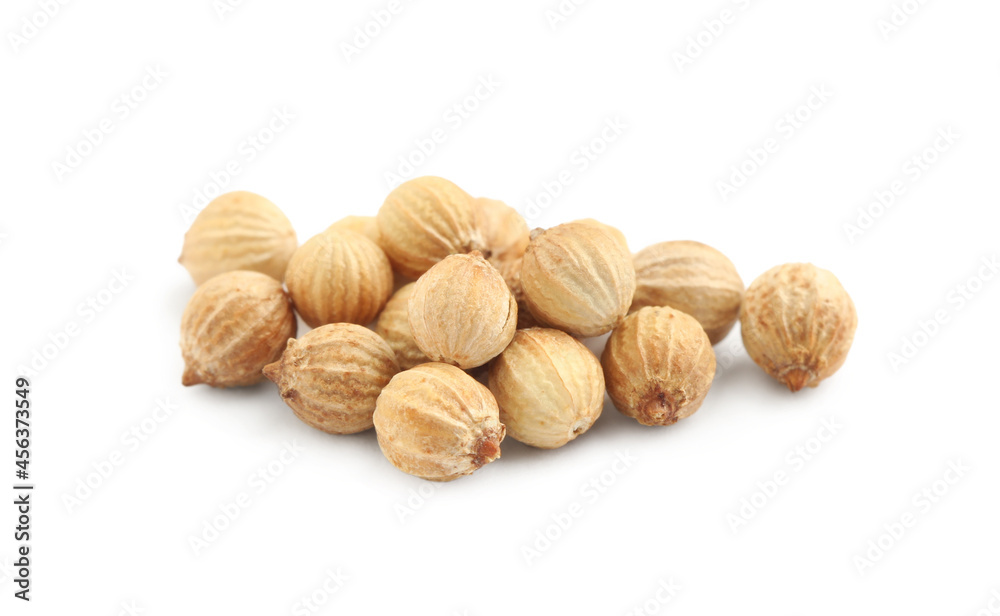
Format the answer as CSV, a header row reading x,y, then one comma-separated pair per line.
x,y
405,304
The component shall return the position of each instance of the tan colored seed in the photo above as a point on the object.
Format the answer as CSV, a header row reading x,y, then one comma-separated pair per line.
x,y
238,231
658,366
578,278
613,231
524,317
339,277
332,376
798,324
549,386
365,225
693,278
437,422
505,235
424,220
235,324
394,326
461,311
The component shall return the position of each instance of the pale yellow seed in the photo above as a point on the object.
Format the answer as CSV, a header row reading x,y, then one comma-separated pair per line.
x,y
612,231
549,386
339,277
238,231
693,278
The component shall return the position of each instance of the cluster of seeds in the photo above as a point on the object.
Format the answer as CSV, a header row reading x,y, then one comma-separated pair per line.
x,y
478,296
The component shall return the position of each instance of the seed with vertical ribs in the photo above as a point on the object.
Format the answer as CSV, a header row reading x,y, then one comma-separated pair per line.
x,y
549,387
461,311
332,376
578,277
798,324
693,278
365,225
424,220
437,422
339,277
235,324
658,366
612,231
238,231
394,325
505,235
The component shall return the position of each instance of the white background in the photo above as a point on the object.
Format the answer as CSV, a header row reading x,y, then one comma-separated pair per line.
x,y
668,517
